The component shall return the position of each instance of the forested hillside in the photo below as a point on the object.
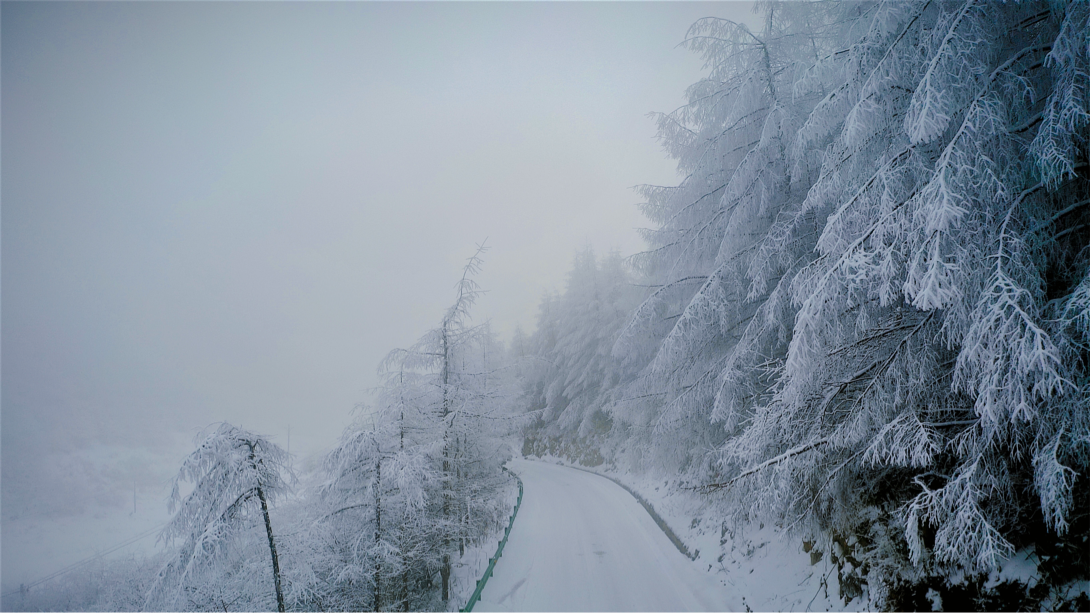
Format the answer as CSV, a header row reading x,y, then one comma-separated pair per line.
x,y
865,310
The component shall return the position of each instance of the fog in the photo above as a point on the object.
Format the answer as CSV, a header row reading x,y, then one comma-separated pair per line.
x,y
234,211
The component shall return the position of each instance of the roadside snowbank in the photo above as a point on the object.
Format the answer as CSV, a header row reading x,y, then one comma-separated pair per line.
x,y
470,566
765,570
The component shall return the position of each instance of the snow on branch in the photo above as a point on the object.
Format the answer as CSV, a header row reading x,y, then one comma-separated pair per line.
x,y
787,455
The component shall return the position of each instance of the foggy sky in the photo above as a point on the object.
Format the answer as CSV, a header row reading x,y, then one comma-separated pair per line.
x,y
234,211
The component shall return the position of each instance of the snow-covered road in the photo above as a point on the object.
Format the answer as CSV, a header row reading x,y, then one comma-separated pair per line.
x,y
582,543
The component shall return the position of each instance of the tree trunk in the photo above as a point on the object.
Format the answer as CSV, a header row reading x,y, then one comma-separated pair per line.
x,y
462,506
444,568
378,531
405,589
444,572
272,549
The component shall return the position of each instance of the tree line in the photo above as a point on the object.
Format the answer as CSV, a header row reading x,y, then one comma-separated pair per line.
x,y
865,310
379,525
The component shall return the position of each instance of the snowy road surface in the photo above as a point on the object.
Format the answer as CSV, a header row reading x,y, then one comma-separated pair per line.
x,y
582,543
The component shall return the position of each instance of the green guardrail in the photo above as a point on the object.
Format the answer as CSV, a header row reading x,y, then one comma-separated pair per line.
x,y
499,551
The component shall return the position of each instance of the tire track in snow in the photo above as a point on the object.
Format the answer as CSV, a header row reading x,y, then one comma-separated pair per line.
x,y
582,543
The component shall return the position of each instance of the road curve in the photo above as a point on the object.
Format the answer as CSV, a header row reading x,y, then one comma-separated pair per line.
x,y
582,543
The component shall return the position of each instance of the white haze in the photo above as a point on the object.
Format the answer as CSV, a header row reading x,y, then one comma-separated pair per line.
x,y
233,211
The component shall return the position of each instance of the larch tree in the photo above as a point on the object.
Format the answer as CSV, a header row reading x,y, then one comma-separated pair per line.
x,y
376,503
570,374
936,334
869,293
463,402
236,475
731,235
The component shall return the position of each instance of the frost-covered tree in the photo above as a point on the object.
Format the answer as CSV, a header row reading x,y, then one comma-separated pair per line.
x,y
868,298
459,394
570,377
235,475
415,478
929,324
373,515
731,235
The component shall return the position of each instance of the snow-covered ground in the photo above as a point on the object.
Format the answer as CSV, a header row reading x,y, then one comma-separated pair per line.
x,y
469,567
582,543
761,569
766,569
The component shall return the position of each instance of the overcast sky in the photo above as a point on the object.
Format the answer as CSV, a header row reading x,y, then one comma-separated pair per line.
x,y
234,211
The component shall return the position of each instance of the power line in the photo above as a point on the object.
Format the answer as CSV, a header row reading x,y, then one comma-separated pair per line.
x,y
85,561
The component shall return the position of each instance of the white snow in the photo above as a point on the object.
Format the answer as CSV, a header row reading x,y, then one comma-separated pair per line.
x,y
582,543
767,569
467,568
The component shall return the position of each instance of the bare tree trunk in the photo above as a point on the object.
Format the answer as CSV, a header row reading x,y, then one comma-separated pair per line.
x,y
444,568
405,589
378,531
462,507
272,549
269,532
404,564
